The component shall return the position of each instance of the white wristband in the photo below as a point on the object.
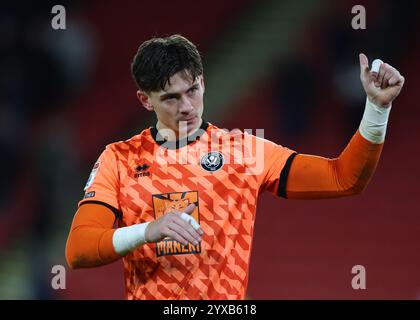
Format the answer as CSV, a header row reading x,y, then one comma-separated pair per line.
x,y
374,122
191,220
127,239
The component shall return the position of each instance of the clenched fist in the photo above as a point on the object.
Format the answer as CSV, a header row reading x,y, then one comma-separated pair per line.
x,y
381,87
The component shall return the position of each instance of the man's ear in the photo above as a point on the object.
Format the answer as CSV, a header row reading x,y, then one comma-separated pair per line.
x,y
144,100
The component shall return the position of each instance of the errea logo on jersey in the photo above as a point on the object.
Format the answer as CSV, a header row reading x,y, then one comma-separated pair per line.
x,y
212,161
141,170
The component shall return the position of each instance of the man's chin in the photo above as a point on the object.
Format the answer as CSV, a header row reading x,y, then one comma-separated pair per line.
x,y
191,124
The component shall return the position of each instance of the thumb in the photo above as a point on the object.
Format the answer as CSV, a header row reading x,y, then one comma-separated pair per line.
x,y
364,65
190,208
186,215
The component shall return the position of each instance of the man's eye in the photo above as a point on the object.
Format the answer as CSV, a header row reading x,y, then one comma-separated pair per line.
x,y
193,90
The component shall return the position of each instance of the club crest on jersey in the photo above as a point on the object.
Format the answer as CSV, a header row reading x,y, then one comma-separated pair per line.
x,y
212,161
92,175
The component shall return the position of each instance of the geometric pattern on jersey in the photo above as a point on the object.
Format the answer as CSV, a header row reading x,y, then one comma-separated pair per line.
x,y
133,179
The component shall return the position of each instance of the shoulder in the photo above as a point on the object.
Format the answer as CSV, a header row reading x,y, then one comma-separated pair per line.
x,y
245,136
252,142
215,131
131,145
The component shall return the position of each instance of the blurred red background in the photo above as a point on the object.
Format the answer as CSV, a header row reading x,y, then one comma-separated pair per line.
x,y
66,94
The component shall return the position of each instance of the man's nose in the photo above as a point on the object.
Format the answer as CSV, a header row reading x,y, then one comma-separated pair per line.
x,y
186,105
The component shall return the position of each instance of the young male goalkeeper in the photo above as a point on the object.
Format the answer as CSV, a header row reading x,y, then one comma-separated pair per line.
x,y
177,201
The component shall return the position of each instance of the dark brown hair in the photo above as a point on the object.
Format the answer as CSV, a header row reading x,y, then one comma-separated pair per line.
x,y
158,59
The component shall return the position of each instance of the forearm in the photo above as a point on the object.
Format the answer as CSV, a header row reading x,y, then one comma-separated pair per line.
x,y
89,246
94,242
313,177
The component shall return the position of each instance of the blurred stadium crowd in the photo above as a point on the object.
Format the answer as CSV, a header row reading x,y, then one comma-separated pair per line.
x,y
290,67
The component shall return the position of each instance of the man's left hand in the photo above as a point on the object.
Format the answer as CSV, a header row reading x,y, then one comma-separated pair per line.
x,y
381,87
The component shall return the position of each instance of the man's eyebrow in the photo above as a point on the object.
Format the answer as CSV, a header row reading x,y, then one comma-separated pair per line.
x,y
194,85
169,95
176,94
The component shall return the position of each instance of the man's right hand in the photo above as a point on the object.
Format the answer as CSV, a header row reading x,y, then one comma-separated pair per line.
x,y
174,226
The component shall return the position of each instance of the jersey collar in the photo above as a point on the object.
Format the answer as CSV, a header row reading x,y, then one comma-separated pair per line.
x,y
179,143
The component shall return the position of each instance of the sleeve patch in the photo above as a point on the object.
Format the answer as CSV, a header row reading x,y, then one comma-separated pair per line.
x,y
92,176
89,195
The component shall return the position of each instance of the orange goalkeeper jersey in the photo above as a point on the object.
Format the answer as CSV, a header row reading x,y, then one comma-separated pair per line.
x,y
223,173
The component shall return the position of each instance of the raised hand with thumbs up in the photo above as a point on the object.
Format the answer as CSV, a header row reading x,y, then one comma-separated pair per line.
x,y
382,85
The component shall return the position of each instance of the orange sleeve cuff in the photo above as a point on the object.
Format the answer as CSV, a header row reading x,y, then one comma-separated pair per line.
x,y
106,248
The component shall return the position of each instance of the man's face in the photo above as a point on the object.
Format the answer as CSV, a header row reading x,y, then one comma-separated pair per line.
x,y
179,106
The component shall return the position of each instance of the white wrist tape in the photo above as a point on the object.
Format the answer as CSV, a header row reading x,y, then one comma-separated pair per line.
x,y
127,239
374,122
190,220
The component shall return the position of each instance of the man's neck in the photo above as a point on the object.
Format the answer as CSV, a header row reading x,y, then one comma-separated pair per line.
x,y
181,133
